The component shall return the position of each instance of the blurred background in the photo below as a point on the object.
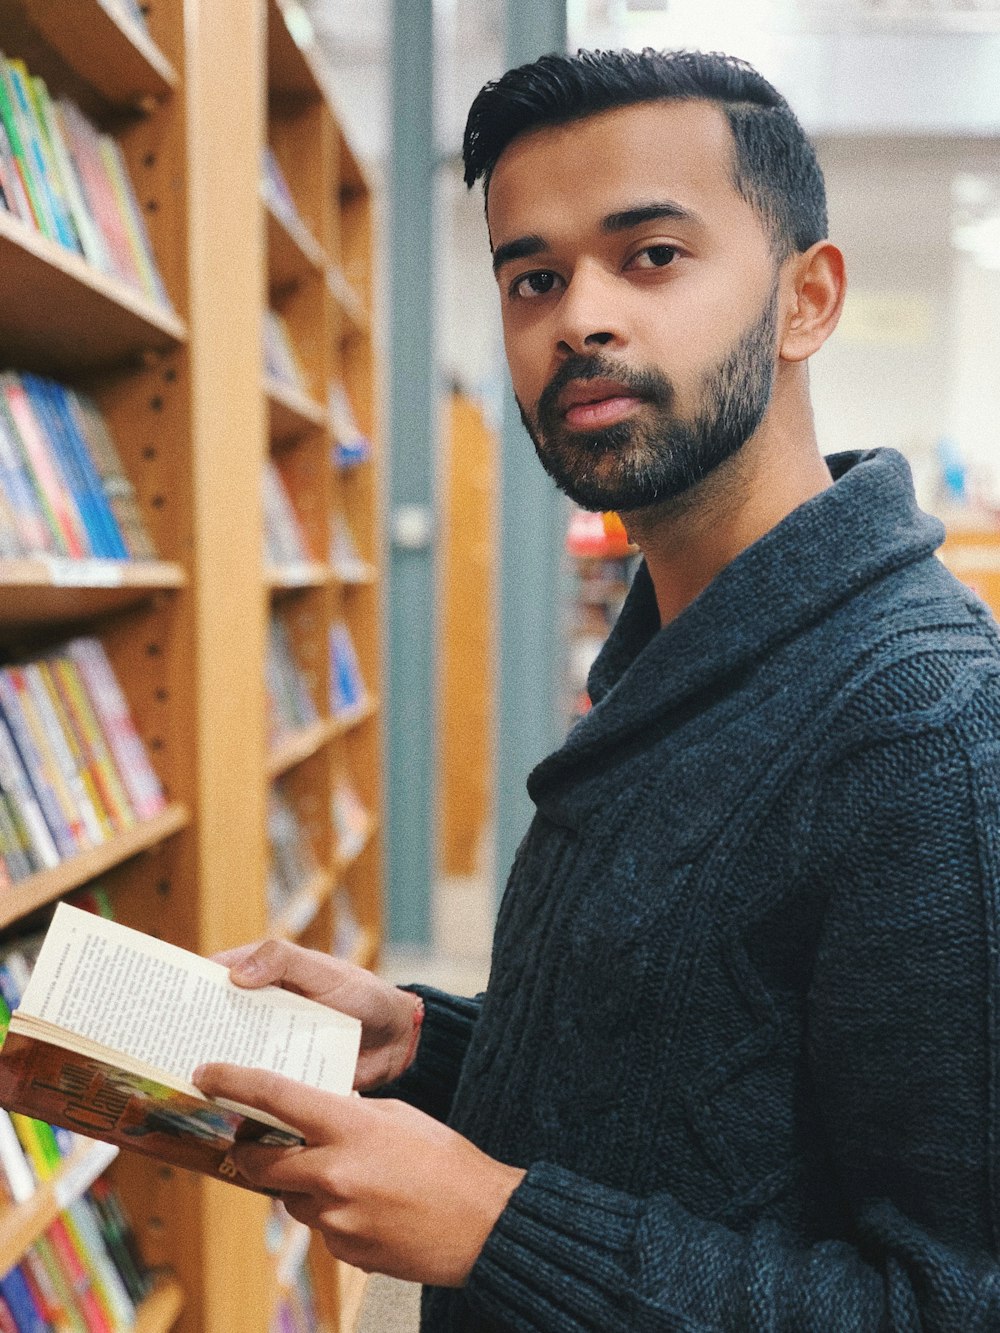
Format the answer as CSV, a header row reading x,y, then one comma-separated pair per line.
x,y
501,596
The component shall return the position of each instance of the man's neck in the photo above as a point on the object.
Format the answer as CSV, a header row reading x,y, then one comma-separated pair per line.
x,y
688,541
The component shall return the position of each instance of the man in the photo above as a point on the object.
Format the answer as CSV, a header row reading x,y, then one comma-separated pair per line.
x,y
737,1065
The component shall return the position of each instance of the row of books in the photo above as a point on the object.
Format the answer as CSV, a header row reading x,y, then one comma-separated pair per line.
x,y
278,197
284,541
73,769
64,178
290,703
351,444
292,860
296,1310
63,489
281,361
84,1274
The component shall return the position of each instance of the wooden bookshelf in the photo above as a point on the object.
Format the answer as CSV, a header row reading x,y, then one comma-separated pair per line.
x,y
192,102
22,1224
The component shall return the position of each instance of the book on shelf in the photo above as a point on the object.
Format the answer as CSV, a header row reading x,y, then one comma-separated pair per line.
x,y
66,179
73,769
347,687
350,444
296,1310
64,487
292,860
290,703
284,541
344,554
113,1023
281,361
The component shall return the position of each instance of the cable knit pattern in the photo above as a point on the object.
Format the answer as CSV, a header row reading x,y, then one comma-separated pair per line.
x,y
742,1020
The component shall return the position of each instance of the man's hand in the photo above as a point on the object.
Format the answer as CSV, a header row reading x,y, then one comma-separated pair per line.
x,y
385,1011
388,1188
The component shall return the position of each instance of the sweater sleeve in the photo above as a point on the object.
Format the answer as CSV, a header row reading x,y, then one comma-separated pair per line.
x,y
902,1041
429,1083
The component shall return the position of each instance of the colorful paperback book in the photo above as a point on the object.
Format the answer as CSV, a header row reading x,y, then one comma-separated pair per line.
x,y
45,471
113,1023
114,482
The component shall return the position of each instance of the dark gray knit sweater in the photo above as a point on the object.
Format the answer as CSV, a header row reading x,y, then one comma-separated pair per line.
x,y
742,1021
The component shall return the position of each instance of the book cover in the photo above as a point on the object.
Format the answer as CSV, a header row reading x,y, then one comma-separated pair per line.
x,y
13,185
76,702
58,743
91,242
17,1295
69,436
134,224
14,681
39,529
113,1023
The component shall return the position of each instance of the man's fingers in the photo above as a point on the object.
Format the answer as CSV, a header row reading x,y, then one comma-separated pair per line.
x,y
320,1117
281,963
285,1171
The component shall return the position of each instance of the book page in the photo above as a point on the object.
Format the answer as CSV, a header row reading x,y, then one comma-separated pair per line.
x,y
173,1010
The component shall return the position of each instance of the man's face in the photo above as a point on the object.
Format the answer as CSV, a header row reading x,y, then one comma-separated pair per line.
x,y
639,297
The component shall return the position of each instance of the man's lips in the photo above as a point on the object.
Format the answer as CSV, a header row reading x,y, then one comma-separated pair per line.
x,y
590,403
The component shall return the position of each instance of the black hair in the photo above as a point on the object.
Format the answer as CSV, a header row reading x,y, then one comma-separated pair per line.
x,y
774,164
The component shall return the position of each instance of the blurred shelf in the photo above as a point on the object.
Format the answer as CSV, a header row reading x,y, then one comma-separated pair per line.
x,y
290,412
291,61
298,746
293,253
161,1308
48,885
348,718
45,589
360,574
21,1224
288,578
59,314
301,909
102,43
349,849
348,302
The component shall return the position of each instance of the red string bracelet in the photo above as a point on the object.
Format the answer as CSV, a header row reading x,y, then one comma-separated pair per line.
x,y
419,1010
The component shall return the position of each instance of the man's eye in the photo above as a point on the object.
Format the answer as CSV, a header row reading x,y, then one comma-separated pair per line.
x,y
539,283
655,256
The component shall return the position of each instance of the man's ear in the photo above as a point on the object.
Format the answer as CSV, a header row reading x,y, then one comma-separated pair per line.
x,y
819,284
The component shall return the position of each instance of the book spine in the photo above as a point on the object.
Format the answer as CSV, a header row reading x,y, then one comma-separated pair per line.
x,y
18,862
61,1285
17,1294
136,234
120,1240
65,1247
17,200
91,241
38,526
16,785
35,767
65,232
114,482
66,677
41,461
65,465
84,142
48,767
107,1282
12,124
77,795
103,525
17,1172
108,701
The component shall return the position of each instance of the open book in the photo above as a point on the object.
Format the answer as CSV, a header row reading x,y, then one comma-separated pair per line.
x,y
113,1023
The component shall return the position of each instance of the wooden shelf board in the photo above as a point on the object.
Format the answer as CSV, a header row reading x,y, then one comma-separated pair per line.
x,y
300,745
21,1224
104,45
48,885
348,302
360,575
288,578
291,69
291,413
33,591
351,718
60,314
293,253
301,910
160,1309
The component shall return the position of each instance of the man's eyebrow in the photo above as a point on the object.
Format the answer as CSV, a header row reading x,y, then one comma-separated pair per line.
x,y
643,213
523,248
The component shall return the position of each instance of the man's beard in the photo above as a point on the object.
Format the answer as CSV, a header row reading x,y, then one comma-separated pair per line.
x,y
656,456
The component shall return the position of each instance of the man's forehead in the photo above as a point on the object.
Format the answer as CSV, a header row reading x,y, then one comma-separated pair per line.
x,y
667,147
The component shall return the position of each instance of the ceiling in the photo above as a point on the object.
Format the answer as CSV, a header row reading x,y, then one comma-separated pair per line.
x,y
355,36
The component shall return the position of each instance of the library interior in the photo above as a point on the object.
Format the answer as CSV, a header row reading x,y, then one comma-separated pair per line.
x,y
289,611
